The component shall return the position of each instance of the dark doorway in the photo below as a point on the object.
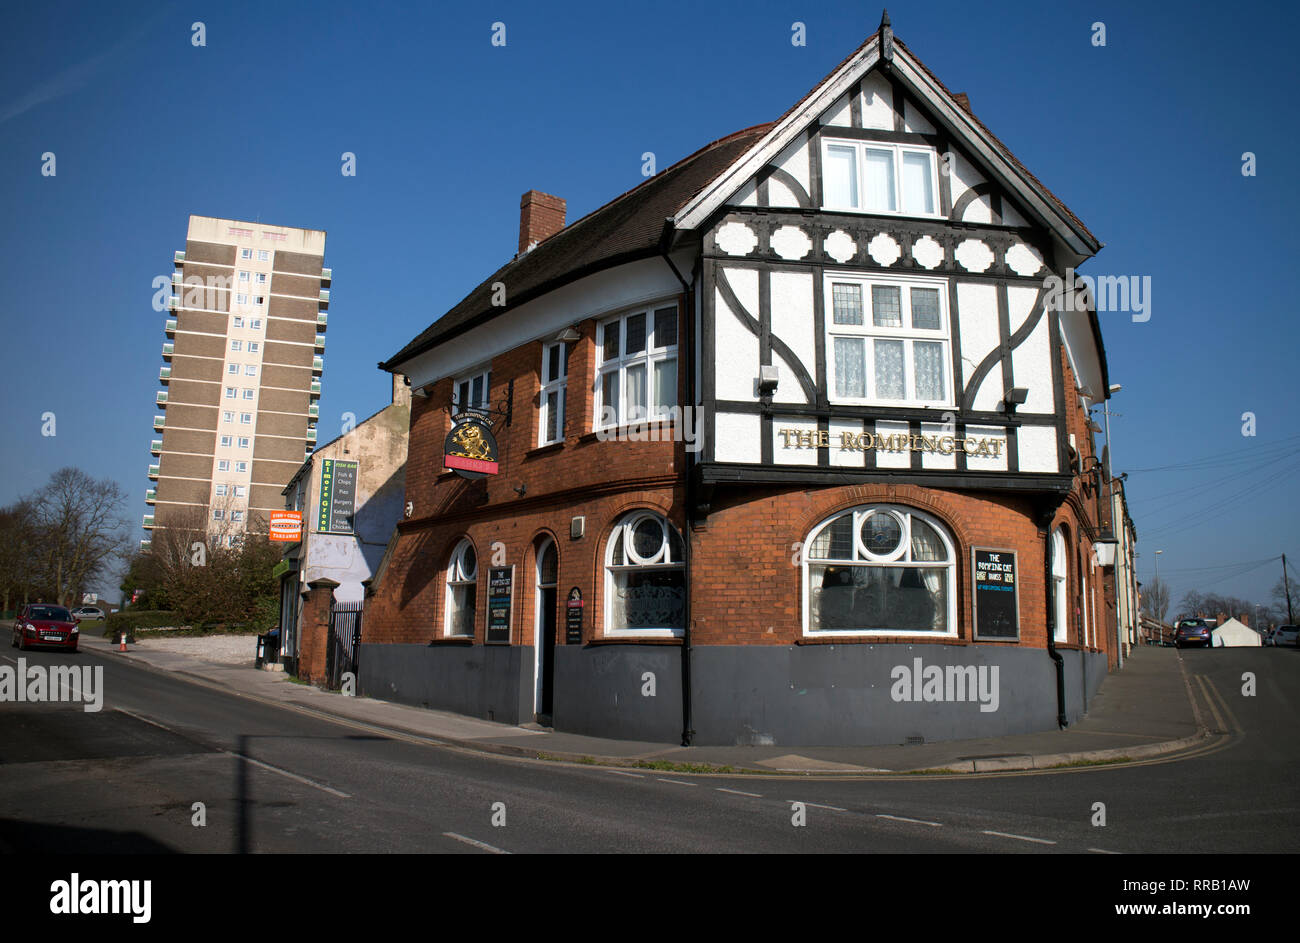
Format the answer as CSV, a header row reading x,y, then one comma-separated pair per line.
x,y
547,617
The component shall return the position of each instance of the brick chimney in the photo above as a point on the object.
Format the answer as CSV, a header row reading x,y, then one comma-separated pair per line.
x,y
962,99
541,216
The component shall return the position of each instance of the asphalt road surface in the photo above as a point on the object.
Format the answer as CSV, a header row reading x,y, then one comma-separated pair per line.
x,y
276,779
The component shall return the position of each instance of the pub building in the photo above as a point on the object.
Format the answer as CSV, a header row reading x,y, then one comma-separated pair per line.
x,y
785,445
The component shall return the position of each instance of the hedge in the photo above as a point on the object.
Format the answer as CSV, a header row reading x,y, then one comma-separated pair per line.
x,y
133,619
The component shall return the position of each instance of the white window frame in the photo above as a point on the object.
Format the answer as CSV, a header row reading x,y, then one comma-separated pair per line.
x,y
259,299
239,322
221,490
483,374
231,392
241,299
257,324
227,441
249,394
554,387
1060,586
245,419
261,278
652,354
859,162
241,491
232,368
900,559
457,574
223,465
243,442
869,332
227,416
243,275
237,516
241,467
662,560
253,347
236,345
218,514
245,253
263,255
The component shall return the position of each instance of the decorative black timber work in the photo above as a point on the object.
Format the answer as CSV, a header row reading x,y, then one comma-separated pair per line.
x,y
755,328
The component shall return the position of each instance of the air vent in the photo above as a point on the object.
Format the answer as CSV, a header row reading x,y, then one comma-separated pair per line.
x,y
577,527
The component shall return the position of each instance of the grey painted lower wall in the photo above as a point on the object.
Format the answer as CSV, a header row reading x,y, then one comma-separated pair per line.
x,y
494,682
833,695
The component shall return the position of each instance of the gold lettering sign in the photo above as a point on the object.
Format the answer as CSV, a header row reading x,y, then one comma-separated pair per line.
x,y
867,441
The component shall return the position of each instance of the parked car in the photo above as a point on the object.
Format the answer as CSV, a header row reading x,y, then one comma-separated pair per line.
x,y
1193,632
1286,635
88,612
42,625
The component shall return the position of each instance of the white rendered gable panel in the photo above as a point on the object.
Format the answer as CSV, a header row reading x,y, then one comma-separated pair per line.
x,y
845,458
1031,365
963,176
914,121
793,454
837,115
1037,448
794,161
977,317
735,353
793,323
877,103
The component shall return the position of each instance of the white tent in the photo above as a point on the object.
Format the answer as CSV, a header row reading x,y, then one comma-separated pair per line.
x,y
1232,634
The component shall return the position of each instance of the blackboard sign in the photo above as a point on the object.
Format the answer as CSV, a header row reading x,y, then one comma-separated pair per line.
x,y
573,618
338,496
501,581
994,595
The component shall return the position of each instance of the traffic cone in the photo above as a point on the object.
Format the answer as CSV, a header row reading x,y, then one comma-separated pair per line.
x,y
122,639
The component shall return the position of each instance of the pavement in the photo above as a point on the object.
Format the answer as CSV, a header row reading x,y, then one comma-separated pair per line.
x,y
1142,711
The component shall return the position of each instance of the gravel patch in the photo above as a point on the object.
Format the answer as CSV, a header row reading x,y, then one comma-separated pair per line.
x,y
222,649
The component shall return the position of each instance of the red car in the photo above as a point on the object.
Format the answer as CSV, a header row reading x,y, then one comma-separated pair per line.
x,y
45,626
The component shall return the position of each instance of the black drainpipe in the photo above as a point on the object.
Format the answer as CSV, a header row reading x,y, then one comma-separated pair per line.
x,y
1050,595
688,734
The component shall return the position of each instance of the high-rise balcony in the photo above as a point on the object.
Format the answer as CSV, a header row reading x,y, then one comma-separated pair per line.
x,y
320,341
168,350
155,447
161,398
311,434
173,302
151,496
164,374
313,411
322,319
315,387
326,274
148,522
158,423
178,281
171,327
145,545
324,297
153,472
317,365
178,257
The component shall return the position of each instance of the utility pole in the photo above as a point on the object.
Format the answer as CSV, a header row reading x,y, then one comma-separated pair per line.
x,y
1290,617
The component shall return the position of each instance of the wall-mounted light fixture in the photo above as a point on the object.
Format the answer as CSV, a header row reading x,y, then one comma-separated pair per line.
x,y
1014,397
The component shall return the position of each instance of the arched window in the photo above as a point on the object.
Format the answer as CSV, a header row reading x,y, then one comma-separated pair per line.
x,y
881,569
645,577
462,590
1060,595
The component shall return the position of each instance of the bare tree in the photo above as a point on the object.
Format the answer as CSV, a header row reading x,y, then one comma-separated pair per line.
x,y
1155,599
79,529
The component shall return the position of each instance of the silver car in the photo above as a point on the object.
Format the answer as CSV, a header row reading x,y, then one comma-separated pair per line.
x,y
1286,635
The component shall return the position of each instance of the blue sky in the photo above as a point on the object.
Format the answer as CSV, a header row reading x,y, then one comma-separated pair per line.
x,y
1142,138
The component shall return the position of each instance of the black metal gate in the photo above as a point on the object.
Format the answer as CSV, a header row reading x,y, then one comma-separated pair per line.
x,y
344,643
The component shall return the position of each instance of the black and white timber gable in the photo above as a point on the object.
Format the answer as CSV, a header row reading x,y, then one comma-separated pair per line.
x,y
872,290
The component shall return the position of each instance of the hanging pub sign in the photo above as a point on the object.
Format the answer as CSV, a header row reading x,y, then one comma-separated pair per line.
x,y
995,596
573,618
501,581
470,449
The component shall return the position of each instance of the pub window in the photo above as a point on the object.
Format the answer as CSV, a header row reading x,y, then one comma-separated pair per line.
x,y
880,570
638,367
462,590
645,577
555,372
888,341
875,177
470,392
1060,596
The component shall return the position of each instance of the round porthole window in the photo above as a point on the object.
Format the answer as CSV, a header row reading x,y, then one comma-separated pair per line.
x,y
882,534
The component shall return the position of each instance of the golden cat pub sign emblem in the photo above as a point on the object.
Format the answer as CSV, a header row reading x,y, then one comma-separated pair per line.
x,y
470,449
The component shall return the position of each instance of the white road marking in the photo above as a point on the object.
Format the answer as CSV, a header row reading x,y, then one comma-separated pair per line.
x,y
814,805
737,792
266,766
619,772
904,818
675,782
477,844
1103,851
1040,841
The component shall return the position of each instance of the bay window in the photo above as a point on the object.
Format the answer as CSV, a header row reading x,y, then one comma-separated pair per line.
x,y
876,177
887,341
638,367
880,570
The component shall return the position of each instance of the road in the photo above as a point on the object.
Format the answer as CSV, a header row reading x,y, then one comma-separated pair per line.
x,y
276,779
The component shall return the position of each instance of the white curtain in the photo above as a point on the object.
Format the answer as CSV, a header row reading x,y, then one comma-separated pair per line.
x,y
889,370
918,192
929,369
879,181
850,372
840,177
